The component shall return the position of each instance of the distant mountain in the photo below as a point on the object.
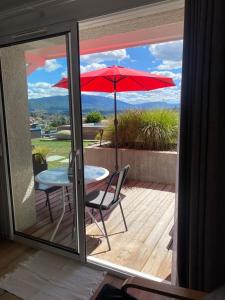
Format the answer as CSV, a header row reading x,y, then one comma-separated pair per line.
x,y
59,104
158,104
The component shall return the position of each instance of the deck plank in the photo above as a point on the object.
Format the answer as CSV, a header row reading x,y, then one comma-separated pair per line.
x,y
149,212
150,218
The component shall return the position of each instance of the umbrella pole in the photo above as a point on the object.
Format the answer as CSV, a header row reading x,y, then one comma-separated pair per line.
x,y
116,127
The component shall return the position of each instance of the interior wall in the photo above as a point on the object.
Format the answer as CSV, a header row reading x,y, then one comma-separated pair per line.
x,y
16,115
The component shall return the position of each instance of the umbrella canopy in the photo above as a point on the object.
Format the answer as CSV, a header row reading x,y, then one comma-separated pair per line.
x,y
119,79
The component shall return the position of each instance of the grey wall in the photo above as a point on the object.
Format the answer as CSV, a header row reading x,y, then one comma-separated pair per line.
x,y
19,145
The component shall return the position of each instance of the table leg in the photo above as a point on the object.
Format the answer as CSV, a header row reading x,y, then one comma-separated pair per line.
x,y
95,221
61,216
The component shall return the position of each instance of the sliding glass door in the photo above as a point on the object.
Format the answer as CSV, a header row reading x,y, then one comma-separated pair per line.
x,y
42,130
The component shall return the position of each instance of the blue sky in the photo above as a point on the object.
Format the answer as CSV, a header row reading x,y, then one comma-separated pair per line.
x,y
163,58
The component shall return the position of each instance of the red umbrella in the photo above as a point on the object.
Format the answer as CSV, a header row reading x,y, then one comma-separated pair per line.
x,y
119,79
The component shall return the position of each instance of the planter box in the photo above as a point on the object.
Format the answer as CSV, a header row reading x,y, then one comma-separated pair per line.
x,y
35,133
89,130
146,165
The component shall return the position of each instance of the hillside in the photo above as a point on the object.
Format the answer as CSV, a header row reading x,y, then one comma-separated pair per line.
x,y
59,104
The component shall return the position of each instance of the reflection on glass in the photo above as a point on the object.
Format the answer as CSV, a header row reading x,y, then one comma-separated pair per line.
x,y
39,139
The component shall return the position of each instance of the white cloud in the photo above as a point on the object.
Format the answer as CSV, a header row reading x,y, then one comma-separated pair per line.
x,y
100,57
44,89
170,65
175,76
171,95
50,65
39,85
91,67
64,74
170,53
168,50
87,68
100,94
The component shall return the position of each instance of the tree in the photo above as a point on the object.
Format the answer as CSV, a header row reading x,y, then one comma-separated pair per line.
x,y
94,117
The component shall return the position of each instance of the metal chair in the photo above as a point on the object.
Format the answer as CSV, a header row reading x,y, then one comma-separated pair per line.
x,y
39,165
105,200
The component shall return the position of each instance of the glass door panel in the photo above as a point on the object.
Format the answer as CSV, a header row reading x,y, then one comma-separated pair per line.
x,y
42,125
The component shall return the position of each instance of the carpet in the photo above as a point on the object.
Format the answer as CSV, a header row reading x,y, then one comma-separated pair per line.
x,y
47,276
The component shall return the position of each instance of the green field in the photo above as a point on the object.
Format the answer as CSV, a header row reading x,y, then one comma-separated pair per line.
x,y
56,147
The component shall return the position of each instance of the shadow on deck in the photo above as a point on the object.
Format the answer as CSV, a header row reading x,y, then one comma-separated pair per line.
x,y
149,212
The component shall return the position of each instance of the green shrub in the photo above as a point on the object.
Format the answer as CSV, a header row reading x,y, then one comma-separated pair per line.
x,y
160,129
94,117
59,120
63,135
152,129
50,128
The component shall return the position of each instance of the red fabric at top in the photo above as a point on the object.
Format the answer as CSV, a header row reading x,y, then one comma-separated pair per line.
x,y
119,79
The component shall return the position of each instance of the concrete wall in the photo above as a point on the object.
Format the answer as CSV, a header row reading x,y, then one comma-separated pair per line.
x,y
89,132
152,166
18,132
35,133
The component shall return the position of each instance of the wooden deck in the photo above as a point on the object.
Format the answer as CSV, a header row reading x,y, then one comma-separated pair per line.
x,y
149,211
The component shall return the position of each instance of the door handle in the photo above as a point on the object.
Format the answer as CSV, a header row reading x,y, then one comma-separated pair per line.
x,y
79,159
75,162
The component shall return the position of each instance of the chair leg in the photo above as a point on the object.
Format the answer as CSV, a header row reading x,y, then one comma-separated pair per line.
x,y
106,234
124,221
170,244
92,211
68,198
49,207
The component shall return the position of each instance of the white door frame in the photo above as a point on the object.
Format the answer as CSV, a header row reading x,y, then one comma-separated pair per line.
x,y
70,30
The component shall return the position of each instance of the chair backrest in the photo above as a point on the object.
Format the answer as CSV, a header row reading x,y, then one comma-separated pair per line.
x,y
39,163
120,176
70,170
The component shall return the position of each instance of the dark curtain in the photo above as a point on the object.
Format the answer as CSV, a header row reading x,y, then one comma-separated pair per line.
x,y
201,206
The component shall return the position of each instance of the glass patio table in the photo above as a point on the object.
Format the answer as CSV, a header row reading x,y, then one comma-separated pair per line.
x,y
59,177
